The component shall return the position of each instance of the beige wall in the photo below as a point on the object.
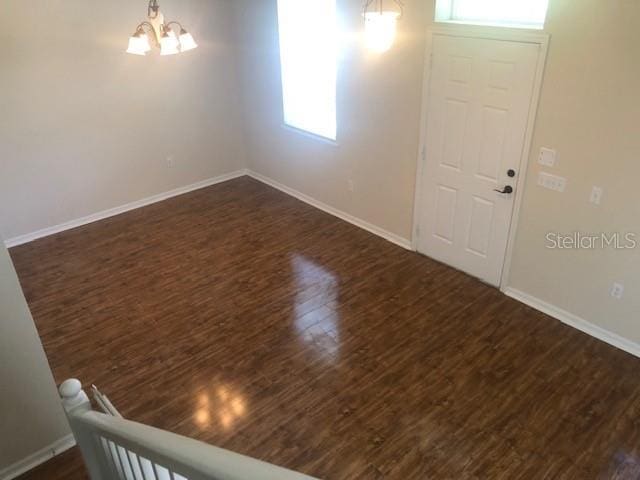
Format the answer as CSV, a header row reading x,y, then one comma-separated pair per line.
x,y
31,416
589,112
378,117
86,127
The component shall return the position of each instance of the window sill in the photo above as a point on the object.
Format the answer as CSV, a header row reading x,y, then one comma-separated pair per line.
x,y
312,136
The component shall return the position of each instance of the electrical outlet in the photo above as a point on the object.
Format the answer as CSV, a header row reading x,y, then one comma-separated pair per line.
x,y
351,186
596,195
547,157
617,290
171,162
552,182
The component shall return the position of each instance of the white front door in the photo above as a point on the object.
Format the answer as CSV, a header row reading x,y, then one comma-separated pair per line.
x,y
478,104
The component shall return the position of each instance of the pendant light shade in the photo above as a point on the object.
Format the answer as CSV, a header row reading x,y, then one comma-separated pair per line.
x,y
169,43
380,30
144,42
186,41
135,46
380,24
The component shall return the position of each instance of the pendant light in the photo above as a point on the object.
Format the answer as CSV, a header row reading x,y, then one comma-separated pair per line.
x,y
162,33
380,24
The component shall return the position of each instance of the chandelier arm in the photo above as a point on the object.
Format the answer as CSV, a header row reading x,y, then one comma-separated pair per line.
x,y
144,24
173,22
150,32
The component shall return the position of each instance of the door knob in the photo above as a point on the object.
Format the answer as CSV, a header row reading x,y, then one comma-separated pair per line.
x,y
507,189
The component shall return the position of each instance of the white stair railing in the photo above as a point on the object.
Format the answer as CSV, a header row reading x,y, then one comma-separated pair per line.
x,y
118,449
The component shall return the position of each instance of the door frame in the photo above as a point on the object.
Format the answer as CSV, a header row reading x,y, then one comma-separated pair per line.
x,y
489,33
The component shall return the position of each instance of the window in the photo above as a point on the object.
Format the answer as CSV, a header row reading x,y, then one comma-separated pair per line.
x,y
506,13
308,34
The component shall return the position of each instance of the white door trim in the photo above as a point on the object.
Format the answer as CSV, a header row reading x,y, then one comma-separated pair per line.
x,y
491,33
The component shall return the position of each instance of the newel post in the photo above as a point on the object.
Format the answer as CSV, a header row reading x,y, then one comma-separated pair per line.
x,y
76,403
73,396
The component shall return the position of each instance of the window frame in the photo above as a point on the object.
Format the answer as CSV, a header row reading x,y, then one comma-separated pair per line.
x,y
444,13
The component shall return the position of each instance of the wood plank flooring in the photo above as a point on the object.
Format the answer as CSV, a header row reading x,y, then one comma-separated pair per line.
x,y
247,319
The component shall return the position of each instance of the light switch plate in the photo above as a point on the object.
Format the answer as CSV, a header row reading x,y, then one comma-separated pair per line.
x,y
552,182
547,157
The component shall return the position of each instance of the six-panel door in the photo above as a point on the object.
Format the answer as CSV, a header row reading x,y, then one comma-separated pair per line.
x,y
479,98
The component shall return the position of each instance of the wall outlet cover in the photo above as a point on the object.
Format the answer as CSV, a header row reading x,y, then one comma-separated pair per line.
x,y
617,290
596,195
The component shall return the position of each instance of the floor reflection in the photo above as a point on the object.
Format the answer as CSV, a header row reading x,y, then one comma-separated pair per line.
x,y
220,406
315,319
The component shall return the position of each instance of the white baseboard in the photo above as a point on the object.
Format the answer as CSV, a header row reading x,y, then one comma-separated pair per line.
x,y
575,321
19,240
37,458
392,237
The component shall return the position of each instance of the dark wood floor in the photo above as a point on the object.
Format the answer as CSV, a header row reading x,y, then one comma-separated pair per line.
x,y
247,319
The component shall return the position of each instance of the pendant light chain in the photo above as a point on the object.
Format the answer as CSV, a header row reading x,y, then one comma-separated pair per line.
x,y
380,5
152,10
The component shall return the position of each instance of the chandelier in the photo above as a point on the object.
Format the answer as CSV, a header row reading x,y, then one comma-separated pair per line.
x,y
163,35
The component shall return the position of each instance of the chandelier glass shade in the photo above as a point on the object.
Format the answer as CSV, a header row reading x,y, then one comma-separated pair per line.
x,y
162,34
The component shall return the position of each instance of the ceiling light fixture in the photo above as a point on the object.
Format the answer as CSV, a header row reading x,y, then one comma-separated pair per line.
x,y
162,33
380,24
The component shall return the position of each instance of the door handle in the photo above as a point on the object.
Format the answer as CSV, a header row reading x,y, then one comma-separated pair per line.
x,y
507,189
